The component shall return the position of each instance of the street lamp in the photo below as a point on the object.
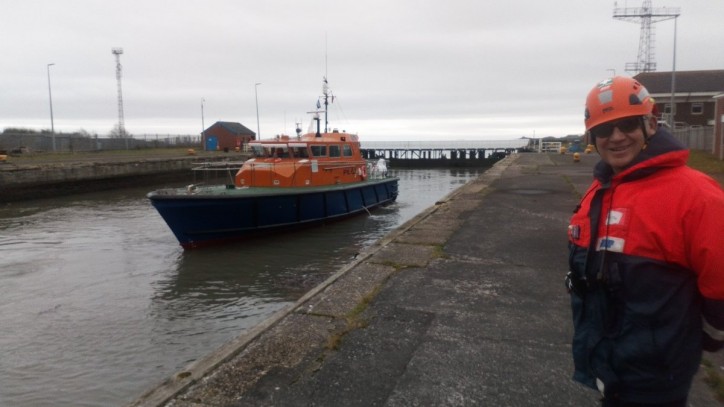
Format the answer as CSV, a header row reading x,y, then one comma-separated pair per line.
x,y
256,96
50,96
203,128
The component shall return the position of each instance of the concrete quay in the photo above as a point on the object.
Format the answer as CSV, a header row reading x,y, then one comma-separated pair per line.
x,y
55,175
462,305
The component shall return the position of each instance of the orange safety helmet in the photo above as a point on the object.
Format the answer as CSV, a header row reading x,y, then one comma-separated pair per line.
x,y
615,98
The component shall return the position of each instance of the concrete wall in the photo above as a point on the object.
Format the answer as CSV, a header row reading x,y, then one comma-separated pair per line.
x,y
19,182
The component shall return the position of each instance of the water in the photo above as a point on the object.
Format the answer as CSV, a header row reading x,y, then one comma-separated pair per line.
x,y
98,302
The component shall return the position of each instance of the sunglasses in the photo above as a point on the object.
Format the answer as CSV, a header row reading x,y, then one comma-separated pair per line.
x,y
626,125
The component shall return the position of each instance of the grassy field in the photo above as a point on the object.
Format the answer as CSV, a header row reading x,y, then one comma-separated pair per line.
x,y
706,162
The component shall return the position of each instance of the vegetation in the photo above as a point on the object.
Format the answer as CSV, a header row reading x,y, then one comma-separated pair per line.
x,y
353,320
713,379
706,162
20,130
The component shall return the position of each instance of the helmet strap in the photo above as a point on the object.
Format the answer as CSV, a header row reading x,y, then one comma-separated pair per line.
x,y
646,132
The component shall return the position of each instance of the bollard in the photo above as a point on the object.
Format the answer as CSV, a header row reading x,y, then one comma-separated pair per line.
x,y
576,157
191,151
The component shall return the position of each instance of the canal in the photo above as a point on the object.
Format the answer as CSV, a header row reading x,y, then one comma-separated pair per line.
x,y
98,302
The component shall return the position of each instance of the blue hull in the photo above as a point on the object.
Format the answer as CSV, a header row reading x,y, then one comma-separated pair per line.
x,y
215,214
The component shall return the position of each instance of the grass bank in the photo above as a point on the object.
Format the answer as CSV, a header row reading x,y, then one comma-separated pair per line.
x,y
707,163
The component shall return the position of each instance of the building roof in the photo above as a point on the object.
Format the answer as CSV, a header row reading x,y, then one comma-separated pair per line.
x,y
234,128
686,81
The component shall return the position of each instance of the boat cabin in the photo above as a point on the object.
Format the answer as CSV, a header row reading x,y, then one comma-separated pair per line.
x,y
313,159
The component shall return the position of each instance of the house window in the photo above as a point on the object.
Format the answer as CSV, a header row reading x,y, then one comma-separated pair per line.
x,y
667,108
697,108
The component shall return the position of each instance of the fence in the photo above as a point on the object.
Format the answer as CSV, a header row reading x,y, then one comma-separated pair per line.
x,y
696,138
73,142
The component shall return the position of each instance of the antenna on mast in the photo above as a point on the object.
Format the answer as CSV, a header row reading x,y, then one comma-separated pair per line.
x,y
327,95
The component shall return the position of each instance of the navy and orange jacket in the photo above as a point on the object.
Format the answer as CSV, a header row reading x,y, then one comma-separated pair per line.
x,y
648,285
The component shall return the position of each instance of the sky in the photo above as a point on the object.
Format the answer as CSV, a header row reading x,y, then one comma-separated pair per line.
x,y
399,69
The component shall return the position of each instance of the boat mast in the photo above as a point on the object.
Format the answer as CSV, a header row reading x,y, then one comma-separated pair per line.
x,y
325,91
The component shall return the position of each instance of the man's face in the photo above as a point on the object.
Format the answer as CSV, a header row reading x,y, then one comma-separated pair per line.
x,y
625,142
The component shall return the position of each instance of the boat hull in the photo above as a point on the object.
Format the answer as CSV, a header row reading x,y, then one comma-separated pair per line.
x,y
211,215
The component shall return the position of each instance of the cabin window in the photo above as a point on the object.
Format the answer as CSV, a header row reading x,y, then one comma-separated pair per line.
x,y
347,150
280,152
697,108
334,151
319,151
299,152
259,151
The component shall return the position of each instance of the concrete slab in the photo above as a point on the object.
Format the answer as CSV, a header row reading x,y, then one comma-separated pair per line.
x,y
341,298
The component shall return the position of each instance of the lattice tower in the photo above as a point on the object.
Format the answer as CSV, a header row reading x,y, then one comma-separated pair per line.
x,y
121,125
646,15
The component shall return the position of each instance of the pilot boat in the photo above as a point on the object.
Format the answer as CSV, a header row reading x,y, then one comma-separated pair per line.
x,y
290,182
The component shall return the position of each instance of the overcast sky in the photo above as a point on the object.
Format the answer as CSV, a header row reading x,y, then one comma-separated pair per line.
x,y
400,69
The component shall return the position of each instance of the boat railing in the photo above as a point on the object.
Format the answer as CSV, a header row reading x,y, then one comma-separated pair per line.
x,y
375,172
216,165
211,172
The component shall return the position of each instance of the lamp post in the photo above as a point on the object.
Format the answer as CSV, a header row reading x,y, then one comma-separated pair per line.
x,y
203,127
50,97
256,97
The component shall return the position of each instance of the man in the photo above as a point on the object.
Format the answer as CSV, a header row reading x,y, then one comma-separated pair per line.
x,y
646,257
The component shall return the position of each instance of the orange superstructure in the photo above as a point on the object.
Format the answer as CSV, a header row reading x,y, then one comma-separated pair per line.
x,y
313,159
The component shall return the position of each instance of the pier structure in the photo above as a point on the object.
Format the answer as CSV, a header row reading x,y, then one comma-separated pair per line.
x,y
455,153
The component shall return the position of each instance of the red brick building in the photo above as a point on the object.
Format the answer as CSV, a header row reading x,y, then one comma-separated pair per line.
x,y
226,136
694,93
